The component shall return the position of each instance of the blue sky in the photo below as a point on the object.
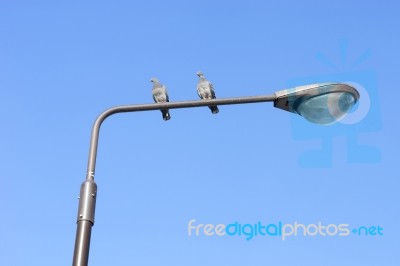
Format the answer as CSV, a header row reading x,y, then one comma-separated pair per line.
x,y
62,63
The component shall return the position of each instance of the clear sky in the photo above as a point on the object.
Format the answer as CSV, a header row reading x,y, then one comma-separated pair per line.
x,y
64,62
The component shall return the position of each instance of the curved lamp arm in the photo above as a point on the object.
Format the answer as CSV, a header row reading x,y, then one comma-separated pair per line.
x,y
88,193
159,106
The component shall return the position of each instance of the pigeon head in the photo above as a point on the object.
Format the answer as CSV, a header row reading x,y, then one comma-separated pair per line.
x,y
200,74
154,80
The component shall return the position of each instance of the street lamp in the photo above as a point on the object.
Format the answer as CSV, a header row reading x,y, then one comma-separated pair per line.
x,y
323,103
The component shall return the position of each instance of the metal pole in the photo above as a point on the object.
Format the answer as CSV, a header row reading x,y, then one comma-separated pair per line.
x,y
88,194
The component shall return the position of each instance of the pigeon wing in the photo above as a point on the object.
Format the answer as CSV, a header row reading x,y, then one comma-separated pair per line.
x,y
212,90
166,93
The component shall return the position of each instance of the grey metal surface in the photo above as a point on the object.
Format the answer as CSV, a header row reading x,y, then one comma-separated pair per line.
x,y
82,243
87,199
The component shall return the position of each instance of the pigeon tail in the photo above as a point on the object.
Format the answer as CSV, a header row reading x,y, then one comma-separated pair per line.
x,y
166,115
214,109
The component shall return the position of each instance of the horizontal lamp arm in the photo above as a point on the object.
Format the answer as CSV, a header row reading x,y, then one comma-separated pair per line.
x,y
159,106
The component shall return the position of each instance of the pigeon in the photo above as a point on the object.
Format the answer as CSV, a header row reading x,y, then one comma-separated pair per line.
x,y
205,90
160,95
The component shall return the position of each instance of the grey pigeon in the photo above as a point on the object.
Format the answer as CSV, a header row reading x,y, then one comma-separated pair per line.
x,y
160,95
205,90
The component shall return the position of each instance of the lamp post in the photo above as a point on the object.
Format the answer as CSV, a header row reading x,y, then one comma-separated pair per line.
x,y
323,103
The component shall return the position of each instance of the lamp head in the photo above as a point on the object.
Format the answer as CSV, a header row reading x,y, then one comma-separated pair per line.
x,y
321,103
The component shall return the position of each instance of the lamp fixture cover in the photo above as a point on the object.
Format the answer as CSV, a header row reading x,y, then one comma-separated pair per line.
x,y
321,103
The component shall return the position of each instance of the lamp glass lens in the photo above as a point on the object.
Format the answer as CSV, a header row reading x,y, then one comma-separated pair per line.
x,y
326,109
